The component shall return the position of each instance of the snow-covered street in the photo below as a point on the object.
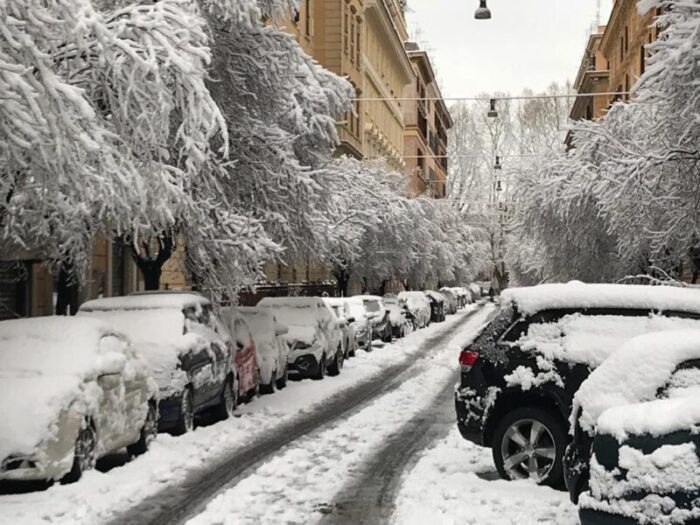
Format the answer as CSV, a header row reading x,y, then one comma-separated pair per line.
x,y
278,461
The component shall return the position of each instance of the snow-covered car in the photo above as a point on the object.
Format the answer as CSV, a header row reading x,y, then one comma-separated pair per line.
x,y
71,391
362,323
437,306
477,291
419,306
378,316
520,375
186,347
315,338
245,357
647,373
341,309
399,316
451,300
270,344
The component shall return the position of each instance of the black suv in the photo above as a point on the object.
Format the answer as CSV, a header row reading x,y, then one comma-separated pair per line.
x,y
520,375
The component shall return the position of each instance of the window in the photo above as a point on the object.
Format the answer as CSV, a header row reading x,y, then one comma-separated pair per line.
x,y
627,40
642,60
352,38
346,30
622,48
358,39
307,18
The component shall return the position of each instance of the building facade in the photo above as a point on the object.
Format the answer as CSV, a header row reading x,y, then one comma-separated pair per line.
x,y
615,57
427,121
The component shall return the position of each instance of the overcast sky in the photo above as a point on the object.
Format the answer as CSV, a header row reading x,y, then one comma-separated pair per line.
x,y
527,43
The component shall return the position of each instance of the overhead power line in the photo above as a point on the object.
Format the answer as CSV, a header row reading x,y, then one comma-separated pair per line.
x,y
488,99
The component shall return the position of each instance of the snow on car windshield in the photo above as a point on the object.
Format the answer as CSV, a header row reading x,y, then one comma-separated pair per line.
x,y
260,324
590,339
372,306
294,315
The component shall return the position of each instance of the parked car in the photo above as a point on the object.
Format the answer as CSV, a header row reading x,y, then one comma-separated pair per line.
x,y
73,390
437,306
186,348
402,321
650,374
378,315
341,309
362,324
464,297
315,338
520,375
476,292
451,300
419,306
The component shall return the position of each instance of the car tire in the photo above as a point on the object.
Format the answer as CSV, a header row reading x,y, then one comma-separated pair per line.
x,y
533,435
229,400
149,431
282,381
84,457
351,353
185,421
321,369
336,365
270,387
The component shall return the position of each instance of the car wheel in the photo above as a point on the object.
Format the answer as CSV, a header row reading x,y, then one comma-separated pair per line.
x,y
321,370
185,422
336,365
84,457
529,443
149,431
282,381
270,387
229,400
351,353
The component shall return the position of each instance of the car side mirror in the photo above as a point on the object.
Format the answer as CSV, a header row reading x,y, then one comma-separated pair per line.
x,y
351,320
387,311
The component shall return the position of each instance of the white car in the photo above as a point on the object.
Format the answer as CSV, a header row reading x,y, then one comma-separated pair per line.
x,y
315,337
419,305
71,391
270,345
378,315
341,309
362,323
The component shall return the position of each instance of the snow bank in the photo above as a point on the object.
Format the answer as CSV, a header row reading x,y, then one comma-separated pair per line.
x,y
530,300
43,365
634,373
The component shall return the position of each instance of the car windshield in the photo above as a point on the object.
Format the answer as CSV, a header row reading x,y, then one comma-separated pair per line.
x,y
301,315
372,306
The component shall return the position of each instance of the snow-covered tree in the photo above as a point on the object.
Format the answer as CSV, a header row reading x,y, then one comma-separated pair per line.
x,y
625,200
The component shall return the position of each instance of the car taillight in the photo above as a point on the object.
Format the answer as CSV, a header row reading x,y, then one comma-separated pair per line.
x,y
467,358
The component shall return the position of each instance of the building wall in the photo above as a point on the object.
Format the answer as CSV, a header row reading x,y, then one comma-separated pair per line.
x,y
623,43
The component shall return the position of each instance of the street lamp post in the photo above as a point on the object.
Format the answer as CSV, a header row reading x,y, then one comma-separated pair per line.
x,y
482,12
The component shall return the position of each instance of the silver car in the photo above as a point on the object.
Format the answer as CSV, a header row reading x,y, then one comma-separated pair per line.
x,y
71,391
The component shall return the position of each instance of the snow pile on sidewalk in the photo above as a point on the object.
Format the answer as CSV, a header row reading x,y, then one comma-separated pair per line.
x,y
455,483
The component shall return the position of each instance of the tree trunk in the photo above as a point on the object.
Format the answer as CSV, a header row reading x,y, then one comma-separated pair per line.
x,y
151,267
67,291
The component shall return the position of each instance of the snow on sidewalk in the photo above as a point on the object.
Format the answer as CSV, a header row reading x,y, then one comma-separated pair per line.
x,y
297,485
99,496
444,488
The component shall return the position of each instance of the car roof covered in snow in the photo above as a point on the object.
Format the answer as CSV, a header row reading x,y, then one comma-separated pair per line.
x,y
295,302
634,373
534,299
147,301
62,345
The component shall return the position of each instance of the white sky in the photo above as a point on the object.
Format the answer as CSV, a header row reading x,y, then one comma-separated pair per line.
x,y
527,43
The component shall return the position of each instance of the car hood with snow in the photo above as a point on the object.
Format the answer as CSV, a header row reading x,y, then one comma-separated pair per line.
x,y
47,364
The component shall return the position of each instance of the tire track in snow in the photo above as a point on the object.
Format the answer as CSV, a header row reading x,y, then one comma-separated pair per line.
x,y
370,497
177,504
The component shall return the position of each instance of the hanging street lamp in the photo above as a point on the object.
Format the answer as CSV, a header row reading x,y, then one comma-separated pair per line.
x,y
498,166
492,112
482,12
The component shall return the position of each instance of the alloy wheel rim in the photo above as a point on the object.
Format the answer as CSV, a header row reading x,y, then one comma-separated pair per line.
x,y
187,410
229,398
151,424
85,449
528,450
